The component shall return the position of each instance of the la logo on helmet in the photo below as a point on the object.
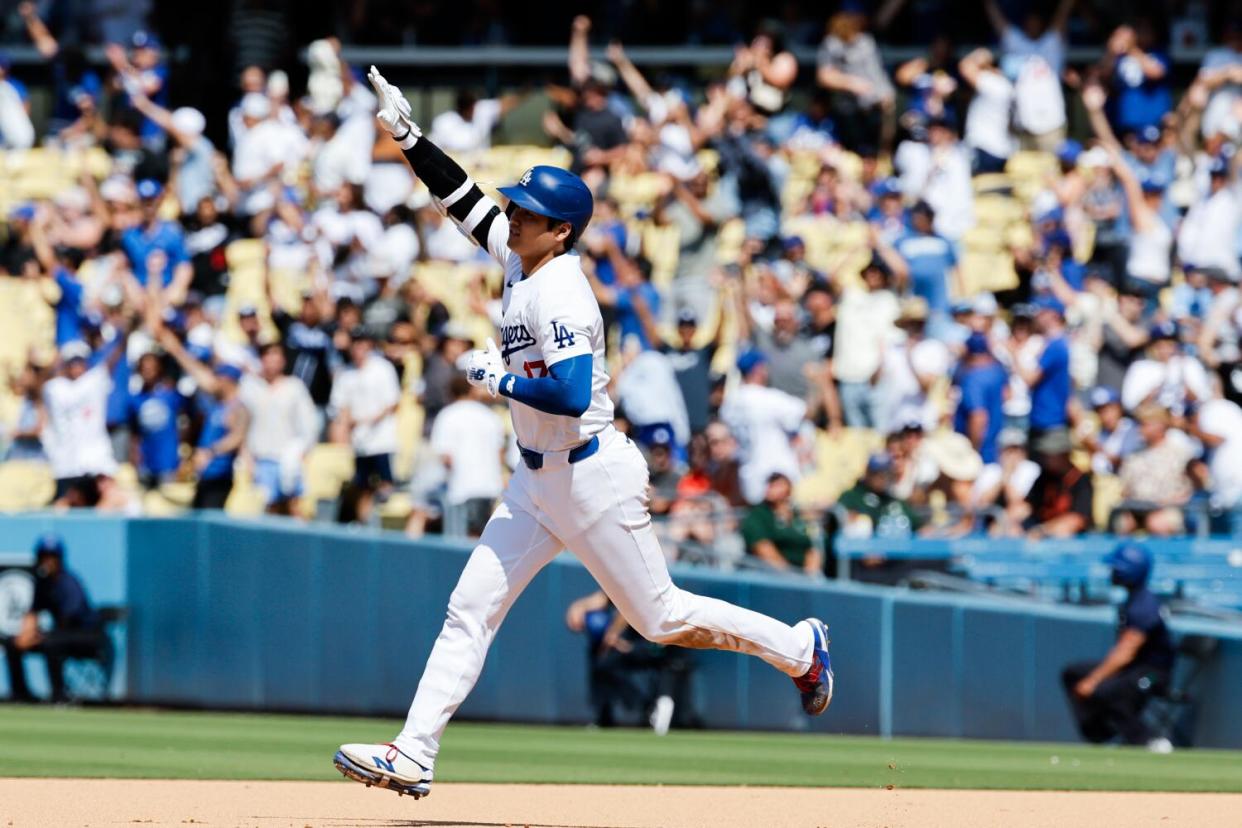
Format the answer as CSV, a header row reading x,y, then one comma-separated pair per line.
x,y
525,179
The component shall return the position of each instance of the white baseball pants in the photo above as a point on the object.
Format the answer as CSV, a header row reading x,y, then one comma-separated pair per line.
x,y
597,509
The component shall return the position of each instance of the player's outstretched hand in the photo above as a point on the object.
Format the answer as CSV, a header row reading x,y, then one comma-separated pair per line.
x,y
486,368
394,109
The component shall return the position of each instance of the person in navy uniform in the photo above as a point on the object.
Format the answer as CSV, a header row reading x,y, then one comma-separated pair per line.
x,y
1107,697
76,629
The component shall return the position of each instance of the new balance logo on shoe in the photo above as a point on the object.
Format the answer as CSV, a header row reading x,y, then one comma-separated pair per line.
x,y
383,764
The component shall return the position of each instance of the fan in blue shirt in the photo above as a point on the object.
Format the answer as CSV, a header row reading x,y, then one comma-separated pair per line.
x,y
1049,381
155,234
980,412
930,258
153,415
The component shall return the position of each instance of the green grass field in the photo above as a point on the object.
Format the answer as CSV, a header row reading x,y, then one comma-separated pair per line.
x,y
37,741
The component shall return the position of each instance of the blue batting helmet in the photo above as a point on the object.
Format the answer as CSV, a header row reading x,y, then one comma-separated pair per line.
x,y
1131,564
50,543
555,193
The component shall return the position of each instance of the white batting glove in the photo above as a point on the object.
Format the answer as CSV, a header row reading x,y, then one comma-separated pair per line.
x,y
486,368
394,110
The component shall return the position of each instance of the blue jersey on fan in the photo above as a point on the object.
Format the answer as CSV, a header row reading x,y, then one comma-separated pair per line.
x,y
153,415
215,427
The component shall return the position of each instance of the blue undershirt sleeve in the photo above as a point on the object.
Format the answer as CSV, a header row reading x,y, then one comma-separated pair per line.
x,y
565,391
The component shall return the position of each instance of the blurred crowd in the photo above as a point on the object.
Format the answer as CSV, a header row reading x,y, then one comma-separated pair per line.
x,y
873,302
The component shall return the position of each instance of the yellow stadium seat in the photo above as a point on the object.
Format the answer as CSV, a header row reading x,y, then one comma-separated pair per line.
x,y
25,485
1107,489
839,462
246,252
327,467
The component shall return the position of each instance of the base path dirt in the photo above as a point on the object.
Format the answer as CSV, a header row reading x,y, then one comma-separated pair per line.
x,y
104,802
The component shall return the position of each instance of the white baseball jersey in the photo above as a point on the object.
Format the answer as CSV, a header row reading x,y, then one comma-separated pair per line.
x,y
596,507
548,317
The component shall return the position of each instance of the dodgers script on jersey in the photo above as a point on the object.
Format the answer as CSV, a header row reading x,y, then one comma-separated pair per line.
x,y
549,317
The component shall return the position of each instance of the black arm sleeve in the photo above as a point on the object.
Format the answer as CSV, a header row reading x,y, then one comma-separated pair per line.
x,y
448,182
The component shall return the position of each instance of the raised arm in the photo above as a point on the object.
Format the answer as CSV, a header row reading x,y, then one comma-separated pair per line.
x,y
481,217
160,116
203,376
43,40
995,16
971,66
1060,17
1093,98
884,17
908,72
634,80
579,55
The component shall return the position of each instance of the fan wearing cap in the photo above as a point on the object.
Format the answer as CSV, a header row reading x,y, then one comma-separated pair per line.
x,y
75,631
983,385
1151,240
1062,498
1139,76
692,362
766,422
912,366
1049,377
142,72
1207,237
932,264
872,508
777,535
866,323
266,150
225,421
1167,375
155,235
1107,697
1117,436
76,435
195,172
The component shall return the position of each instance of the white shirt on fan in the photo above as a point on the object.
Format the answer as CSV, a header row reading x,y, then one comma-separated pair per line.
x,y
1165,382
763,420
471,435
1208,236
453,133
76,435
364,391
1036,64
1222,418
987,120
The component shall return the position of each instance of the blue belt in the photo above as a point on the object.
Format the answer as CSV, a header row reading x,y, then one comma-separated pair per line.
x,y
534,459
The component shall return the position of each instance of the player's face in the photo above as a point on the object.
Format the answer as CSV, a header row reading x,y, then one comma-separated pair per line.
x,y
531,234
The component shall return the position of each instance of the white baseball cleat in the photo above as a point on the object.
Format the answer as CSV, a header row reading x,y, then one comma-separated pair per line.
x,y
383,766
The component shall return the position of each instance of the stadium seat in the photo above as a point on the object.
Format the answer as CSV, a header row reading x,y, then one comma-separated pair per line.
x,y
25,485
327,467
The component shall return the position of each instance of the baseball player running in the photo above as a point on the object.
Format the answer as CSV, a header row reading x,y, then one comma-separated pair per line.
x,y
582,486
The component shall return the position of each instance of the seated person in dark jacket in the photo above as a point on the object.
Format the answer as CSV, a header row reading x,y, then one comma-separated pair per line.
x,y
1107,697
1062,496
775,533
76,630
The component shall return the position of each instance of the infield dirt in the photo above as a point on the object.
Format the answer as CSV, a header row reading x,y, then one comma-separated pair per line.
x,y
101,802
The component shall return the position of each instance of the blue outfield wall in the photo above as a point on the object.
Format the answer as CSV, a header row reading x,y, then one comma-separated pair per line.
x,y
270,614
